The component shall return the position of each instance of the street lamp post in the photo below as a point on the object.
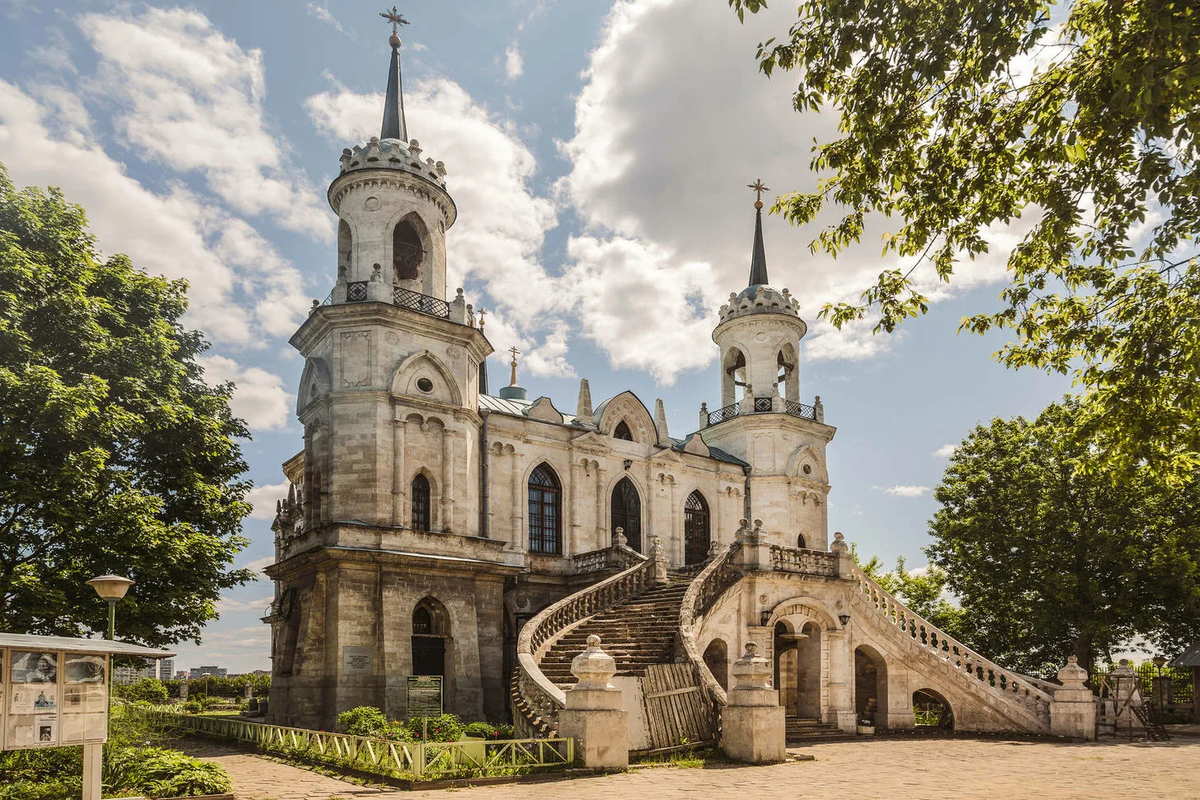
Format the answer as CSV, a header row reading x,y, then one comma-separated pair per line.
x,y
111,588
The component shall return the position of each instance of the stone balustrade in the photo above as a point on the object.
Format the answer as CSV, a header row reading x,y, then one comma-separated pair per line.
x,y
543,699
1015,688
714,580
803,561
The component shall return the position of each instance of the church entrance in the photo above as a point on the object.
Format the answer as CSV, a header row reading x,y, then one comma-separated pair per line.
x,y
695,529
429,631
798,669
627,512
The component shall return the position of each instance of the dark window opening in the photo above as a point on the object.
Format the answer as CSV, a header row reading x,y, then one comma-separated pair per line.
x,y
407,252
545,511
420,503
622,432
627,513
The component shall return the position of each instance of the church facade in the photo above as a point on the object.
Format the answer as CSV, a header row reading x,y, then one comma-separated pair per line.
x,y
427,519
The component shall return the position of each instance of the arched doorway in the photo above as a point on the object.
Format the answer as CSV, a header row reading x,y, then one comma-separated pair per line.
x,y
798,669
696,535
932,711
716,658
430,629
627,512
870,686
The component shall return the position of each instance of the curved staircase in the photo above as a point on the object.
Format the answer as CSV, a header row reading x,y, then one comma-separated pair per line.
x,y
637,632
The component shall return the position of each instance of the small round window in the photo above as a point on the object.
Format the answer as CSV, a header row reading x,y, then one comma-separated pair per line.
x,y
425,385
808,469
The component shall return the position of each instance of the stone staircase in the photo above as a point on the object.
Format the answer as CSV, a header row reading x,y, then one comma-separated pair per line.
x,y
803,731
637,632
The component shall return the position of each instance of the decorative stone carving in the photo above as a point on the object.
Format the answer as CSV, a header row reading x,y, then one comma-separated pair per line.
x,y
839,545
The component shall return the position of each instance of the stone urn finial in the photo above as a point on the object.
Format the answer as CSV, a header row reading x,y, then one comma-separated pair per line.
x,y
839,545
594,667
656,548
743,529
619,539
1072,676
751,671
714,549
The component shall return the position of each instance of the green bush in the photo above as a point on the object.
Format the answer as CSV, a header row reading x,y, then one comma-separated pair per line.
x,y
362,721
169,773
486,730
151,690
193,707
397,731
444,728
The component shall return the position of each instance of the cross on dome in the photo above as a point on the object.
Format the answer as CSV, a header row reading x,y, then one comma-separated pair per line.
x,y
394,126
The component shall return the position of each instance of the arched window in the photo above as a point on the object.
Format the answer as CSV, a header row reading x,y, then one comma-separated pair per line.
x,y
422,622
430,629
407,252
545,511
344,246
622,432
627,512
420,503
800,541
695,529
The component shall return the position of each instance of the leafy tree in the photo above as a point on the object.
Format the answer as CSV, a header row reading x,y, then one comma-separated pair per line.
x,y
115,456
1083,118
1051,557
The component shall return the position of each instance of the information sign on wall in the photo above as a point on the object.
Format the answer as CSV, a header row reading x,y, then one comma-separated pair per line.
x,y
424,695
358,660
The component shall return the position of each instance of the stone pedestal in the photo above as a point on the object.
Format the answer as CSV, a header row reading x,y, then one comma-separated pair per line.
x,y
755,553
1073,712
659,556
752,724
593,716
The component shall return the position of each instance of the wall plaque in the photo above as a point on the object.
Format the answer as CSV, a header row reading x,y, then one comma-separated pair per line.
x,y
358,660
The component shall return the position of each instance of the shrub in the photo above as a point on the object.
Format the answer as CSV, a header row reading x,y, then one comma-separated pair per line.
x,y
397,731
362,721
193,707
151,690
169,773
482,730
443,728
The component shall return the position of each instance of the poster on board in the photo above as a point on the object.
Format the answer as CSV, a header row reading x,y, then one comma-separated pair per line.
x,y
34,667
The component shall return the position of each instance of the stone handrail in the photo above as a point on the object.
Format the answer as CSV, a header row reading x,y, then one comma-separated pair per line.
x,y
701,594
542,697
1010,685
620,555
803,561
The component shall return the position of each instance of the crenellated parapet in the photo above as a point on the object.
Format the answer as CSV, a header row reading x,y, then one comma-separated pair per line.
x,y
759,299
393,154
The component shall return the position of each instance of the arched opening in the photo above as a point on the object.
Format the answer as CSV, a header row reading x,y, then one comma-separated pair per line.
x,y
870,687
627,512
407,253
932,710
716,658
696,535
430,630
733,378
421,507
798,669
800,541
545,511
787,380
622,431
345,246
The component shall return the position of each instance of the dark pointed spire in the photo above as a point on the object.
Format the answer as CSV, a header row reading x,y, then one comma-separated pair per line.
x,y
758,256
394,126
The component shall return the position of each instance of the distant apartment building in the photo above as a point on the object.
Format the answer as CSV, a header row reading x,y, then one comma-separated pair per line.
x,y
166,669
132,672
200,672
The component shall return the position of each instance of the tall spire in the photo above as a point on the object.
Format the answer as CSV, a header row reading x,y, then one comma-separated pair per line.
x,y
394,126
758,257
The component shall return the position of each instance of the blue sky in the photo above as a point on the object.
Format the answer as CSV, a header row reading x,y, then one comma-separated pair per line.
x,y
598,153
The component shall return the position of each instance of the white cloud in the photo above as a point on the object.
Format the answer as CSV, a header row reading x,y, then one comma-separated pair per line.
x,y
904,491
263,499
324,15
673,120
259,396
258,565
228,604
192,99
501,227
945,451
514,65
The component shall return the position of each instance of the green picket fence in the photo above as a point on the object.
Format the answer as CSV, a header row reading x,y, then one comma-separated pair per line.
x,y
416,760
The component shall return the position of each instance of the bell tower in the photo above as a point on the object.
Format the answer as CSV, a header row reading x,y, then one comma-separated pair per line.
x,y
761,419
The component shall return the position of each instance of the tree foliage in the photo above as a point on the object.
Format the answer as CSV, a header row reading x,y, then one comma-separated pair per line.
x,y
924,592
957,116
1051,557
115,456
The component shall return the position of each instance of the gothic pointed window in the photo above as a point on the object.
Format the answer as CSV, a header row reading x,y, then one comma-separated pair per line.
x,y
622,431
345,246
545,511
420,503
800,540
695,529
407,252
627,512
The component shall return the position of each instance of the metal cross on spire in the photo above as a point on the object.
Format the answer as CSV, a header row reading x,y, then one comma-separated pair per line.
x,y
758,188
515,352
394,17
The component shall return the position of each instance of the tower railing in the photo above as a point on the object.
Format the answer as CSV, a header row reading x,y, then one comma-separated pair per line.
x,y
761,405
423,303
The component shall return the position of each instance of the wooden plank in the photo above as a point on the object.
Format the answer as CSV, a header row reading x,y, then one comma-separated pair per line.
x,y
669,692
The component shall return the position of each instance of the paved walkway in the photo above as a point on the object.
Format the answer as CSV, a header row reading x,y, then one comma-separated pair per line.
x,y
865,768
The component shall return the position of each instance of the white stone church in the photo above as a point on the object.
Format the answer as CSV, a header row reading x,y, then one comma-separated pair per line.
x,y
436,528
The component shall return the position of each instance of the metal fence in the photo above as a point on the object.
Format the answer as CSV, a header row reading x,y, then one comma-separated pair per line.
x,y
416,760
